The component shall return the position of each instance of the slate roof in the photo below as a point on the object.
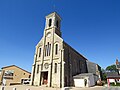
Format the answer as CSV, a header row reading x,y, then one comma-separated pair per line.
x,y
113,75
91,67
83,75
15,66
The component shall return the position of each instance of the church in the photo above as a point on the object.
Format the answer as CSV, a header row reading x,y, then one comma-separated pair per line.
x,y
56,62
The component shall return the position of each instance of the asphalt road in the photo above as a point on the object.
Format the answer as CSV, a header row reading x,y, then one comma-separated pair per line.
x,y
97,88
111,88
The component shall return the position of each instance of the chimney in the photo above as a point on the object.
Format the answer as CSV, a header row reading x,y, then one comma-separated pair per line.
x,y
117,63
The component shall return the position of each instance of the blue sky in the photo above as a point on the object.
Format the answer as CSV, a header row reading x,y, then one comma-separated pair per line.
x,y
92,27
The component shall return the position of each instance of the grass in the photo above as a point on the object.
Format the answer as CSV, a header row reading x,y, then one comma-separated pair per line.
x,y
113,84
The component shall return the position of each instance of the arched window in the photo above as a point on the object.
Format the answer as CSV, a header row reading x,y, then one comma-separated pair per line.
x,y
55,67
50,22
56,49
57,23
37,68
47,49
40,52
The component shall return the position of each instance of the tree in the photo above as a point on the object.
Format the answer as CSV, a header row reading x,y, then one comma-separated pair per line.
x,y
104,74
103,70
104,77
111,68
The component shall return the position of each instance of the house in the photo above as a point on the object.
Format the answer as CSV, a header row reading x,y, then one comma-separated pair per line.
x,y
84,80
95,69
88,79
114,76
12,75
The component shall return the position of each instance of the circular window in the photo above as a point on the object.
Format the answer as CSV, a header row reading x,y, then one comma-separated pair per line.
x,y
46,65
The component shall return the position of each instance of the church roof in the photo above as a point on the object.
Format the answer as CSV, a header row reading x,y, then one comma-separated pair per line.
x,y
75,51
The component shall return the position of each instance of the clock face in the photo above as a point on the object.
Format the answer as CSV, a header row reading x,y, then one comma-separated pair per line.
x,y
48,34
46,65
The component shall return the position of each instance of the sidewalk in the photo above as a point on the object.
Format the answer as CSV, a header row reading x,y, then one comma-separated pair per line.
x,y
25,87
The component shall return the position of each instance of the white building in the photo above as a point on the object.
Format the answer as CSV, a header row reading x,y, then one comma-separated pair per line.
x,y
84,80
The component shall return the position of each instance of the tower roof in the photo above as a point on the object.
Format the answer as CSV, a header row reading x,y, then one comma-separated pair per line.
x,y
53,14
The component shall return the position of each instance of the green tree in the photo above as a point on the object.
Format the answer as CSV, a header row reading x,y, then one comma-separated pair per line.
x,y
111,68
103,70
104,75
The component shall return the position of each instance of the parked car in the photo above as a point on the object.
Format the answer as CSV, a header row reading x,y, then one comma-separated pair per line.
x,y
26,81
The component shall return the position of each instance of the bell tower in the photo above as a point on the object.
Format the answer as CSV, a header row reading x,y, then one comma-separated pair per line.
x,y
47,64
53,22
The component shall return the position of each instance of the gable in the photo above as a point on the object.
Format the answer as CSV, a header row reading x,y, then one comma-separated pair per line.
x,y
14,67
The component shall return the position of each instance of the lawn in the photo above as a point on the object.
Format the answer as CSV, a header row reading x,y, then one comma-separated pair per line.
x,y
113,84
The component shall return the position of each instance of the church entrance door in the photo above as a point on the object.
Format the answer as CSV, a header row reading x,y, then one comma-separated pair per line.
x,y
44,78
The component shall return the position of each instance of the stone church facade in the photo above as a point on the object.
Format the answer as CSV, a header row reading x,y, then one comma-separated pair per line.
x,y
55,62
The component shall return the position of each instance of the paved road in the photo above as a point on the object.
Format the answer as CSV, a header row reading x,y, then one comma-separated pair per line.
x,y
24,87
97,88
111,88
